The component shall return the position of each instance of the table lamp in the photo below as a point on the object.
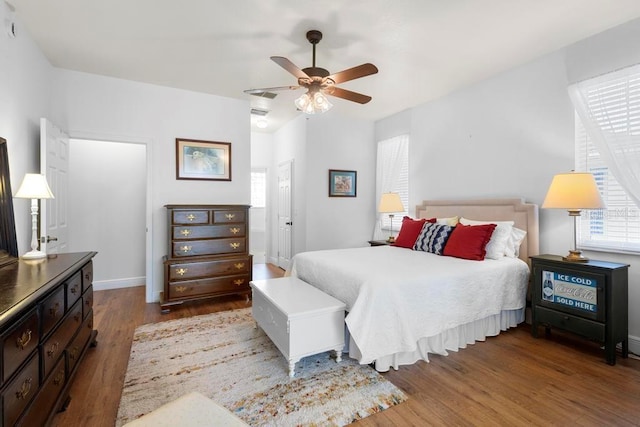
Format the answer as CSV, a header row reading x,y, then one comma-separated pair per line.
x,y
34,186
390,203
573,191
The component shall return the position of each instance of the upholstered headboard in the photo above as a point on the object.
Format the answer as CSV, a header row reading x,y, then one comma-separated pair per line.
x,y
524,215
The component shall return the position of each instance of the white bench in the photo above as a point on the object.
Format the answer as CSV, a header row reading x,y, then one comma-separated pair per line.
x,y
300,319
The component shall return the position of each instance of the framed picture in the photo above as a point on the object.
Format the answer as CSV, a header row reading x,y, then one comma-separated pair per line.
x,y
208,160
342,183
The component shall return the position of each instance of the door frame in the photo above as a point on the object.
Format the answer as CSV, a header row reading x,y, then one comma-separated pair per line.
x,y
78,134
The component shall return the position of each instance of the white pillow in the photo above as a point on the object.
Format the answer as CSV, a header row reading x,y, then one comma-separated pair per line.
x,y
452,221
499,239
515,240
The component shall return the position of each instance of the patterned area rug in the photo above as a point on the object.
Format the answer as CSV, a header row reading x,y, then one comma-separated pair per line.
x,y
224,357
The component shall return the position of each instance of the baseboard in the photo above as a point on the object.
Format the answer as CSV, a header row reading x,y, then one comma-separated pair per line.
x,y
104,285
634,345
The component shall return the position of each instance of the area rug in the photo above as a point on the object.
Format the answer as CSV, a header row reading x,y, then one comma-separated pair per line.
x,y
224,357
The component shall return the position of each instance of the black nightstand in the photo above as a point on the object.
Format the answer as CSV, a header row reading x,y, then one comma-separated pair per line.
x,y
586,298
379,242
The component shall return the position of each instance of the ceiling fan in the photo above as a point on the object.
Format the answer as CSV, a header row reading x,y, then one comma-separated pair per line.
x,y
319,82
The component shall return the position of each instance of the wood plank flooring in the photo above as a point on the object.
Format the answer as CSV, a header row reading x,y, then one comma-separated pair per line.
x,y
509,380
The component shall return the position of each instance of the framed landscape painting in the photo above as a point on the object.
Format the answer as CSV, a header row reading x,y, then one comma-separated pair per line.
x,y
208,160
342,183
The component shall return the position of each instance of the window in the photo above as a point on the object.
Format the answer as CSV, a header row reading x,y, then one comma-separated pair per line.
x,y
393,175
258,188
614,104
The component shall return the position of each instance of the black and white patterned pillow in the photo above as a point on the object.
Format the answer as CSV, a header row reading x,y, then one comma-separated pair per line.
x,y
433,238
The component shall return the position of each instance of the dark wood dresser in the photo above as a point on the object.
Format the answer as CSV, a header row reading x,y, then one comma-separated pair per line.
x,y
208,253
46,325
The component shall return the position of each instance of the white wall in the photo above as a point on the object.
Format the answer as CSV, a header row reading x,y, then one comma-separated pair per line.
x,y
508,135
339,222
97,107
25,79
107,189
316,144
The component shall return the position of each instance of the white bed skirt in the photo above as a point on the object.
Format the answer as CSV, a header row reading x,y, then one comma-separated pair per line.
x,y
452,339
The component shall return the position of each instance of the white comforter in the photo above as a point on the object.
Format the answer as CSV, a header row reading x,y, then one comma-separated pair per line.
x,y
396,296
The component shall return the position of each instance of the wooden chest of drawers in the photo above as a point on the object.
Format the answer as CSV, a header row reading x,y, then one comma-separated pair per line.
x,y
208,253
46,326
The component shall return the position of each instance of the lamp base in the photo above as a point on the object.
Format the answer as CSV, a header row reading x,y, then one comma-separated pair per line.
x,y
391,239
575,256
34,255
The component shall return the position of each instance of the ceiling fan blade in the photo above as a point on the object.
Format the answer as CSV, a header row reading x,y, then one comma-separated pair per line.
x,y
289,66
270,89
348,95
354,73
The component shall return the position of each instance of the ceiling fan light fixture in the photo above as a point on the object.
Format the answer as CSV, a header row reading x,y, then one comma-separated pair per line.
x,y
313,103
262,123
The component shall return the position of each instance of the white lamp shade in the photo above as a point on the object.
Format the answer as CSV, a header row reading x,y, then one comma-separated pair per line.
x,y
390,202
34,186
573,191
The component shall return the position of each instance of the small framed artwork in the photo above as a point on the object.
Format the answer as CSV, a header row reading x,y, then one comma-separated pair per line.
x,y
342,183
208,160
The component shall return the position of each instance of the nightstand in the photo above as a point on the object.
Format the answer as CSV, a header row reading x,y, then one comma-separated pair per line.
x,y
585,298
379,242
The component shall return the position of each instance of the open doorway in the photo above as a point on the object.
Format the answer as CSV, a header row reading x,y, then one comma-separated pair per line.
x,y
258,215
108,209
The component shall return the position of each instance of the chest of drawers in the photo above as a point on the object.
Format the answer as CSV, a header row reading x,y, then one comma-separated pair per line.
x,y
46,326
208,253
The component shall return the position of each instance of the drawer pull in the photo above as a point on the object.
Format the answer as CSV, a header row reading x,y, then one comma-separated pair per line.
x,y
73,353
78,316
185,232
191,217
53,349
74,289
54,310
239,265
24,389
234,245
229,216
234,230
88,302
238,282
88,276
181,271
181,289
185,248
23,340
59,378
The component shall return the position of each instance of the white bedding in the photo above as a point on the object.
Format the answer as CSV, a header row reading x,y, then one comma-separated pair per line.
x,y
396,297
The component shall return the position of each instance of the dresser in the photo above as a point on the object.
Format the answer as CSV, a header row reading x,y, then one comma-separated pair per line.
x,y
586,298
46,327
208,253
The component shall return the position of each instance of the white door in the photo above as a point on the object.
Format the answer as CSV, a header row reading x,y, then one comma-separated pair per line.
x,y
54,163
285,223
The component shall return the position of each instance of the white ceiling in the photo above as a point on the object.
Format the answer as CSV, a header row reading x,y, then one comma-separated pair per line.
x,y
424,49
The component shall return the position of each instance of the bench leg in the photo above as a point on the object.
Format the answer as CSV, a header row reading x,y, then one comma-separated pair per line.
x,y
292,368
338,354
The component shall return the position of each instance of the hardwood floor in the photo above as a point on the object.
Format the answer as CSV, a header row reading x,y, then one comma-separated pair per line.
x,y
511,380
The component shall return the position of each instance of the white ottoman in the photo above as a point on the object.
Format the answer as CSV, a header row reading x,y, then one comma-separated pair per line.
x,y
193,410
300,320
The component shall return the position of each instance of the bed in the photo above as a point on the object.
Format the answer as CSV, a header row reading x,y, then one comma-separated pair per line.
x,y
404,304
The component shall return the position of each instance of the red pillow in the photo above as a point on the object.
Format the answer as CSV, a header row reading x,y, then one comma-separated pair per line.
x,y
469,241
409,231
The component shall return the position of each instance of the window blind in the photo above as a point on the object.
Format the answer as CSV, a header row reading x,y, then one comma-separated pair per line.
x,y
616,107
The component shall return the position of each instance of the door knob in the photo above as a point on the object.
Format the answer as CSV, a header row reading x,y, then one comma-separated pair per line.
x,y
288,223
48,239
